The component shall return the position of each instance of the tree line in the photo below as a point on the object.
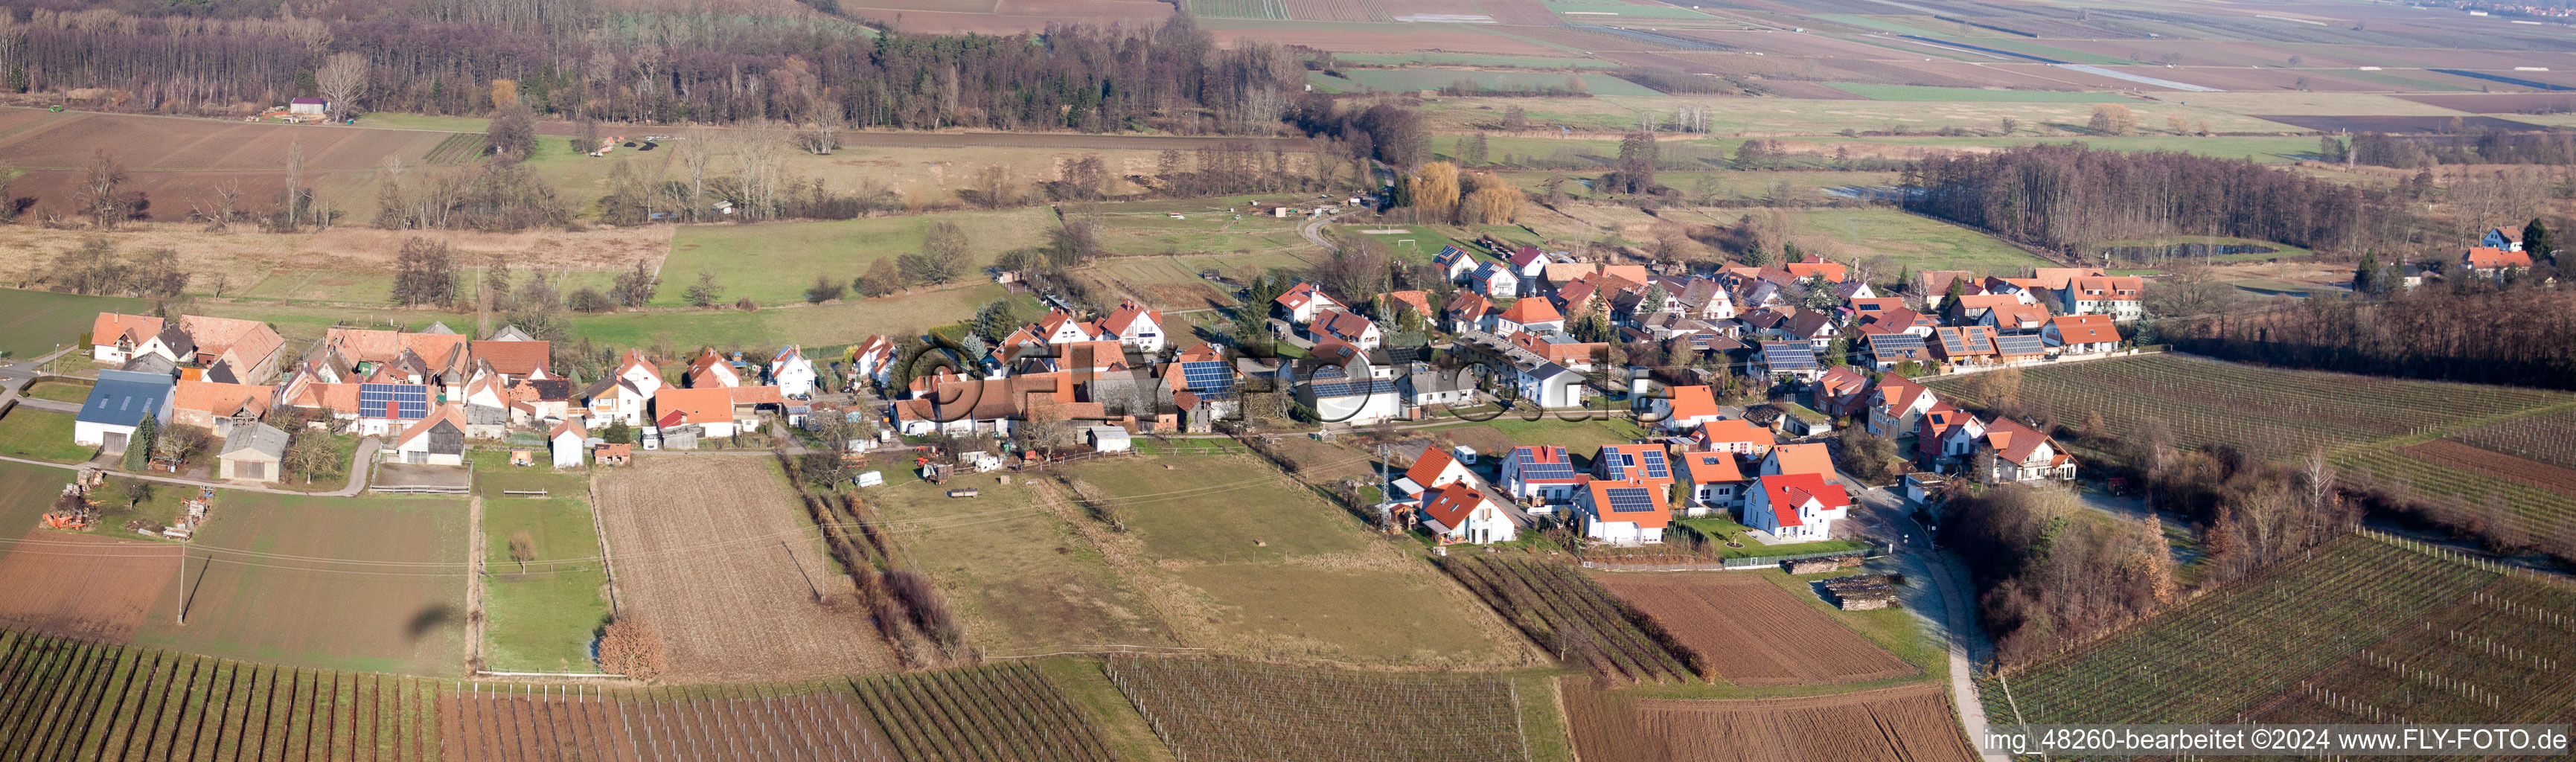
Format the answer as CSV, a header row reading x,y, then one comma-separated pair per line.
x,y
2068,196
2469,330
567,61
2483,147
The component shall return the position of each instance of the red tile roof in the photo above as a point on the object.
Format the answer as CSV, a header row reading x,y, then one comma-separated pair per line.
x,y
2488,258
1731,430
2086,329
1809,458
1659,518
1450,505
111,326
516,358
1127,314
1427,468
1789,491
1831,272
1692,402
1711,467
221,399
1420,301
1527,311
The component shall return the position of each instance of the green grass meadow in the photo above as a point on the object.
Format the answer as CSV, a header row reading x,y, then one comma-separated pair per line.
x,y
41,435
774,262
33,323
542,615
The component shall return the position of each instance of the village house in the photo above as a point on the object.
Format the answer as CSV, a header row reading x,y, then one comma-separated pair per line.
x,y
1945,437
1540,474
253,453
1468,311
217,407
1716,482
117,405
1435,468
1529,315
1964,345
2487,262
1841,392
872,358
514,360
1426,387
1888,351
1790,360
1460,513
1301,303
711,369
1350,400
1454,263
2081,334
2504,239
792,373
435,440
1528,263
2020,453
1807,458
116,338
391,408
1350,327
1818,269
1683,408
1623,513
1205,388
1642,463
1135,327
1796,507
1417,302
1897,404
1734,436
249,347
1494,279
2116,296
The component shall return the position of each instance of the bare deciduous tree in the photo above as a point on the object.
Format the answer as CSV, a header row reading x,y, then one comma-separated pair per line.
x,y
102,191
343,80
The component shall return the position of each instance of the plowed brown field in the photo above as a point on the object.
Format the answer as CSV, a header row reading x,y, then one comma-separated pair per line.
x,y
83,586
564,723
708,550
2486,462
1751,632
1909,723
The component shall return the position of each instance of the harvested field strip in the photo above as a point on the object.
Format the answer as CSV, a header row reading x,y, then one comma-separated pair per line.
x,y
1911,723
2213,659
1005,712
2499,465
1571,615
1751,632
456,149
1216,711
69,699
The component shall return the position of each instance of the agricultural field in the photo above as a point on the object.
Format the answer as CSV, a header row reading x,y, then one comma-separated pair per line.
x,y
1007,713
709,551
1219,711
772,263
84,586
2254,646
176,160
1912,723
1259,565
33,323
1409,79
369,583
72,699
1025,585
541,613
1571,614
1911,242
1750,632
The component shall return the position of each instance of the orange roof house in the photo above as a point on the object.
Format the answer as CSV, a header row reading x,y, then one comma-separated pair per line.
x,y
109,327
713,404
1808,458
199,403
1529,312
1691,406
1830,272
1734,435
2490,258
515,359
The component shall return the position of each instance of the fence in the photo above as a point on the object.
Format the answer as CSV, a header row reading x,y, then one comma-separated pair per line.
x,y
1868,550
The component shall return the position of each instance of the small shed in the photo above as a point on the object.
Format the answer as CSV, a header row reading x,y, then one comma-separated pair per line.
x,y
252,453
613,454
568,441
1111,439
315,106
522,458
871,478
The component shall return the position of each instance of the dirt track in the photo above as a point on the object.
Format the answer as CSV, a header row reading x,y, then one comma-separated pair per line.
x,y
708,550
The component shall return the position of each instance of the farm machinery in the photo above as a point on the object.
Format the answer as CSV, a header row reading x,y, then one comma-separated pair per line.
x,y
75,509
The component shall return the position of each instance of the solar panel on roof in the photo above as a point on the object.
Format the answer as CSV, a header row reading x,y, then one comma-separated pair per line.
x,y
1895,341
393,401
1208,379
1630,499
1655,466
2020,345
